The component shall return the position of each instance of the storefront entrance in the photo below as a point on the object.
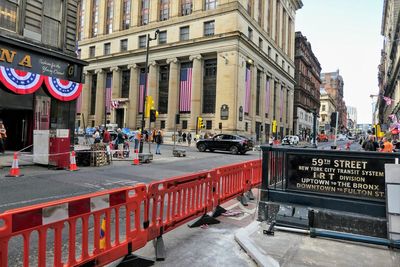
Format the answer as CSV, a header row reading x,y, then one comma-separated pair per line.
x,y
19,125
119,117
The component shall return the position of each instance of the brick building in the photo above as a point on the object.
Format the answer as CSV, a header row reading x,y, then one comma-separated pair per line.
x,y
307,89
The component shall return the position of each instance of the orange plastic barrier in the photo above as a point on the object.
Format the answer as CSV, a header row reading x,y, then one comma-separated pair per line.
x,y
85,211
146,213
175,201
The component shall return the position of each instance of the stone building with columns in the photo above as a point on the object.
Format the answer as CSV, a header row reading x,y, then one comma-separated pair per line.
x,y
229,61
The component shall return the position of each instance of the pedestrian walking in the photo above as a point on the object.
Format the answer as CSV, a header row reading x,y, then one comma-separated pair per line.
x,y
370,144
3,136
184,137
387,145
120,143
136,138
189,138
96,135
158,140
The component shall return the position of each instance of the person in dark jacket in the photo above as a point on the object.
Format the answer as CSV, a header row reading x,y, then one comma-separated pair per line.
x,y
158,140
370,144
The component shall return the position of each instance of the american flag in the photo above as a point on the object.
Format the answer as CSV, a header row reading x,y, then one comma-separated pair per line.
x,y
248,91
185,93
141,91
267,95
108,93
79,104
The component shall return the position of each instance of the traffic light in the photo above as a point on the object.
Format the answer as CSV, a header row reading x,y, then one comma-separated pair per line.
x,y
200,124
153,115
274,126
333,119
149,105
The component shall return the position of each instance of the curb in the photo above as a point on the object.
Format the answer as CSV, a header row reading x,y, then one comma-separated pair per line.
x,y
259,256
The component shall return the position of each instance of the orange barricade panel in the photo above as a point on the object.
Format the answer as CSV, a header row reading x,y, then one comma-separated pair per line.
x,y
81,219
175,201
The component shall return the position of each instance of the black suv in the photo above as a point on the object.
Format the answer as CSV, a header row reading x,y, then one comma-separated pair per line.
x,y
227,142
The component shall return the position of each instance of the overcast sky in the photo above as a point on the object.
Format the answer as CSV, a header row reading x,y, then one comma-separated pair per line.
x,y
346,35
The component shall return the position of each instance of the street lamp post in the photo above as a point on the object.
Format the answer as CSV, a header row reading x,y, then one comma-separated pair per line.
x,y
145,84
314,111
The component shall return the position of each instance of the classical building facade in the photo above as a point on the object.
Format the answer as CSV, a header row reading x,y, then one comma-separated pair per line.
x,y
333,84
307,89
230,62
326,108
388,98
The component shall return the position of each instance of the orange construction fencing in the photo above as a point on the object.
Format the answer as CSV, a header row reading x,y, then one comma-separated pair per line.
x,y
75,221
99,228
175,201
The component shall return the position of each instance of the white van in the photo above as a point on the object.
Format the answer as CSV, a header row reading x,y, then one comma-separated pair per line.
x,y
290,140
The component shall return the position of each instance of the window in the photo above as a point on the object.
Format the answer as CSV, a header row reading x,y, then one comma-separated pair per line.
x,y
92,51
283,64
162,124
269,51
184,33
144,14
186,7
276,58
209,28
162,37
246,126
260,12
323,107
258,92
51,24
260,43
126,14
184,125
164,9
81,20
124,45
250,33
288,69
126,78
277,21
208,125
211,4
9,14
93,95
269,17
95,17
163,83
78,53
107,48
142,41
109,16
209,85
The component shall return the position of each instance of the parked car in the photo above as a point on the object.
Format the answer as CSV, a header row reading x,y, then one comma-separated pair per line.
x,y
290,140
322,138
226,142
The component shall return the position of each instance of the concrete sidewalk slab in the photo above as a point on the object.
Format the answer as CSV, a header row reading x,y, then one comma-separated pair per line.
x,y
288,249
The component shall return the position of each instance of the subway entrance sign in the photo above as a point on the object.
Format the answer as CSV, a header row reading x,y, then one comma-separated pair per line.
x,y
355,177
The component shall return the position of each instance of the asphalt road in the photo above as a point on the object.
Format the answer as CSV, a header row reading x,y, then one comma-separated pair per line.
x,y
39,184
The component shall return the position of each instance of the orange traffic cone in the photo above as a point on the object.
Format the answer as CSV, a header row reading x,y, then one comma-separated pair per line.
x,y
136,159
15,172
72,162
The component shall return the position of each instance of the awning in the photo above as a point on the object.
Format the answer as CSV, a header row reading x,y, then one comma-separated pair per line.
x,y
23,82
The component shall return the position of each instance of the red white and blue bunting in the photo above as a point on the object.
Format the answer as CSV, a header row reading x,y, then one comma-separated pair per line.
x,y
23,82
63,90
20,82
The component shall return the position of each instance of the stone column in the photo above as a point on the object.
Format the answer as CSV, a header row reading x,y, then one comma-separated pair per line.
x,y
100,94
197,85
87,25
135,13
152,89
116,89
173,92
154,11
197,5
102,18
86,97
252,113
117,18
132,111
262,105
174,9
